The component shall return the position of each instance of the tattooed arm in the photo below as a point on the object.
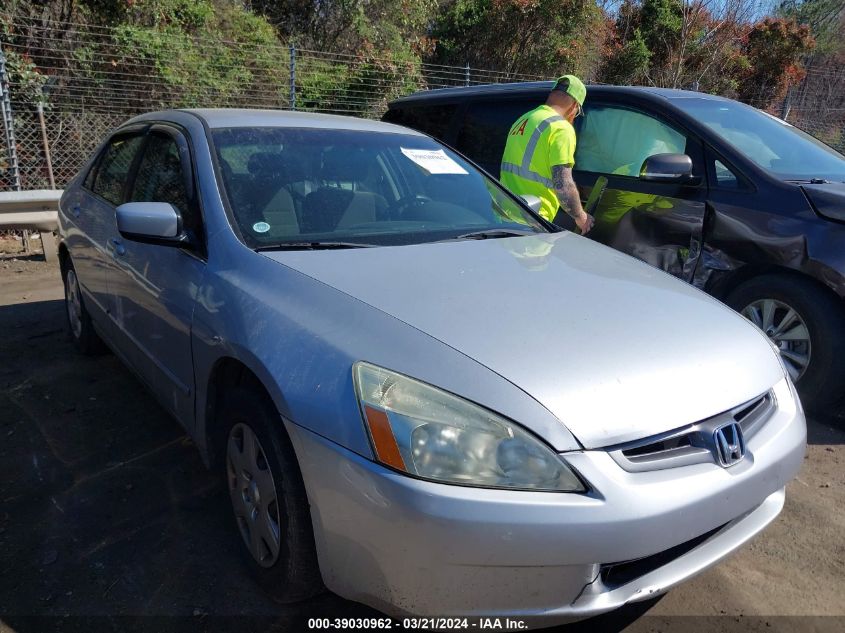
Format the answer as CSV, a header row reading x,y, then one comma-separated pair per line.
x,y
570,200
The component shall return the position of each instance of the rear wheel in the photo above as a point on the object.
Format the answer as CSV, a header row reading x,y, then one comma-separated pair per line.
x,y
268,498
807,324
80,328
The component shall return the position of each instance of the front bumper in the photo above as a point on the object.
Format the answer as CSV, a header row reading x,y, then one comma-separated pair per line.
x,y
411,547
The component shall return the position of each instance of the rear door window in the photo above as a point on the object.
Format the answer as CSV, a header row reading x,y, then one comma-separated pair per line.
x,y
114,168
484,129
433,120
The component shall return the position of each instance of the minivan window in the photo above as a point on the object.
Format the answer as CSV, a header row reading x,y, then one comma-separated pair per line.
x,y
433,120
616,141
783,150
485,129
360,187
115,164
725,178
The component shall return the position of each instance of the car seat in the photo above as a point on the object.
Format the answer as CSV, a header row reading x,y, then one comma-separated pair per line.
x,y
269,200
333,207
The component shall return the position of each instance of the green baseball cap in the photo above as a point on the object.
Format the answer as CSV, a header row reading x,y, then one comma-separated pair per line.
x,y
574,87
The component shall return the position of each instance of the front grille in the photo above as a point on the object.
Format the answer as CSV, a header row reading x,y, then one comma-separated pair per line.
x,y
690,444
617,574
660,446
752,417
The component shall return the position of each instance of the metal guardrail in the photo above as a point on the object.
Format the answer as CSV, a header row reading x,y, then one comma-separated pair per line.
x,y
36,210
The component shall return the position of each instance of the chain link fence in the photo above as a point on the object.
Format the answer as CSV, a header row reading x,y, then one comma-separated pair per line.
x,y
90,79
817,104
71,138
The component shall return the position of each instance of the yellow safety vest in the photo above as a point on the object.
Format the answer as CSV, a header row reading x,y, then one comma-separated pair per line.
x,y
538,140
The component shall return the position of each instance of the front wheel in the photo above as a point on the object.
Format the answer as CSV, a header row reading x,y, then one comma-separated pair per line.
x,y
268,498
807,325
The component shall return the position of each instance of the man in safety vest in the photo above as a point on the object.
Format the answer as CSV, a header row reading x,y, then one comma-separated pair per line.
x,y
540,153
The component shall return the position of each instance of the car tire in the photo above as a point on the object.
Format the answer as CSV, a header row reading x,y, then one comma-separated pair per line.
x,y
821,382
268,498
80,328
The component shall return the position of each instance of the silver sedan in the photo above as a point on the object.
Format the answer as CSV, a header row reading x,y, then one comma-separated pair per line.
x,y
421,395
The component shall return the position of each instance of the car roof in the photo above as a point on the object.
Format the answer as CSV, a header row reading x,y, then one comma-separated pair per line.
x,y
243,117
515,88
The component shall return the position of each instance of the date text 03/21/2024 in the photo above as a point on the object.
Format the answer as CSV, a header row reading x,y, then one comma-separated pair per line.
x,y
410,624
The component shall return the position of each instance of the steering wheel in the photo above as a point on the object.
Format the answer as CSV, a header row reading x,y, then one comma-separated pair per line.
x,y
402,205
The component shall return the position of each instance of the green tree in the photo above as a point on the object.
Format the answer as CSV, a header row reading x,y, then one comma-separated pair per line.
x,y
823,17
661,24
674,43
539,37
774,47
199,52
627,61
390,27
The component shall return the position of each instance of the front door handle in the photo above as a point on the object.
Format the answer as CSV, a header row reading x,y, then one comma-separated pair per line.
x,y
119,249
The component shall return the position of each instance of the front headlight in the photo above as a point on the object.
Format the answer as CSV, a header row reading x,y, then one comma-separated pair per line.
x,y
429,433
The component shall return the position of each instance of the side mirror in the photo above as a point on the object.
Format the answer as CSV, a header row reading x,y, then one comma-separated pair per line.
x,y
667,168
534,203
151,223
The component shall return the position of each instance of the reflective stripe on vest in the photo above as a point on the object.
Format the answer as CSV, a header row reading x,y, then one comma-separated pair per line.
x,y
524,170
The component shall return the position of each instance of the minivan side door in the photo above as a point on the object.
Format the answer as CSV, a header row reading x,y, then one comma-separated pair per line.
x,y
154,287
660,223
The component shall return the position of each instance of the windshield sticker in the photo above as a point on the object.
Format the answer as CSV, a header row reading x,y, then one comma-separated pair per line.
x,y
433,161
260,227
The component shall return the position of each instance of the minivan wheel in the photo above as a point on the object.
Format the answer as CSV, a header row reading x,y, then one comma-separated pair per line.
x,y
80,328
807,324
268,498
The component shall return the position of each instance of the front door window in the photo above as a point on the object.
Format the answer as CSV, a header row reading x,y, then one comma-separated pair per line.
x,y
614,140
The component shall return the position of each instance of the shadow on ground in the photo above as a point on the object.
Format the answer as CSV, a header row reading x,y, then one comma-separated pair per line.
x,y
108,518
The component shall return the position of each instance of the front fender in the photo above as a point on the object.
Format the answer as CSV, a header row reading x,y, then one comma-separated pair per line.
x,y
301,337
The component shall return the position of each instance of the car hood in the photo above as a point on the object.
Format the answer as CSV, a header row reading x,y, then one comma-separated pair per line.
x,y
615,349
828,199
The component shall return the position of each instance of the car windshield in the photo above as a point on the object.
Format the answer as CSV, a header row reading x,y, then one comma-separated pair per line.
x,y
781,149
314,187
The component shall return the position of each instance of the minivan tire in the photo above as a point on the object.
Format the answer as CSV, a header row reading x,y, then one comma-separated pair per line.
x,y
823,381
293,574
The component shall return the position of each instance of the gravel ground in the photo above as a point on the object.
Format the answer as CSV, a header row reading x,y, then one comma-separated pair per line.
x,y
108,519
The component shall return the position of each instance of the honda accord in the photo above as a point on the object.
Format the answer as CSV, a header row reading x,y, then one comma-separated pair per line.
x,y
421,395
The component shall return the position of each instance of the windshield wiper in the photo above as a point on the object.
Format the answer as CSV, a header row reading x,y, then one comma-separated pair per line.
x,y
810,181
491,234
311,246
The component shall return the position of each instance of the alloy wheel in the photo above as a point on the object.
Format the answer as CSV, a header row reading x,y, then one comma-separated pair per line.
x,y
73,303
253,494
786,329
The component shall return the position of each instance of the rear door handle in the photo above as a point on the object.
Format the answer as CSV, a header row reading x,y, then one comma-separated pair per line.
x,y
118,246
76,211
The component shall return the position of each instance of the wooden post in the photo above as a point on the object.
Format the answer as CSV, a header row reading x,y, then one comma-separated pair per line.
x,y
46,144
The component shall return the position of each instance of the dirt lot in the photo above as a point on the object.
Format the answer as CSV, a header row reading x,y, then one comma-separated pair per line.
x,y
108,517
